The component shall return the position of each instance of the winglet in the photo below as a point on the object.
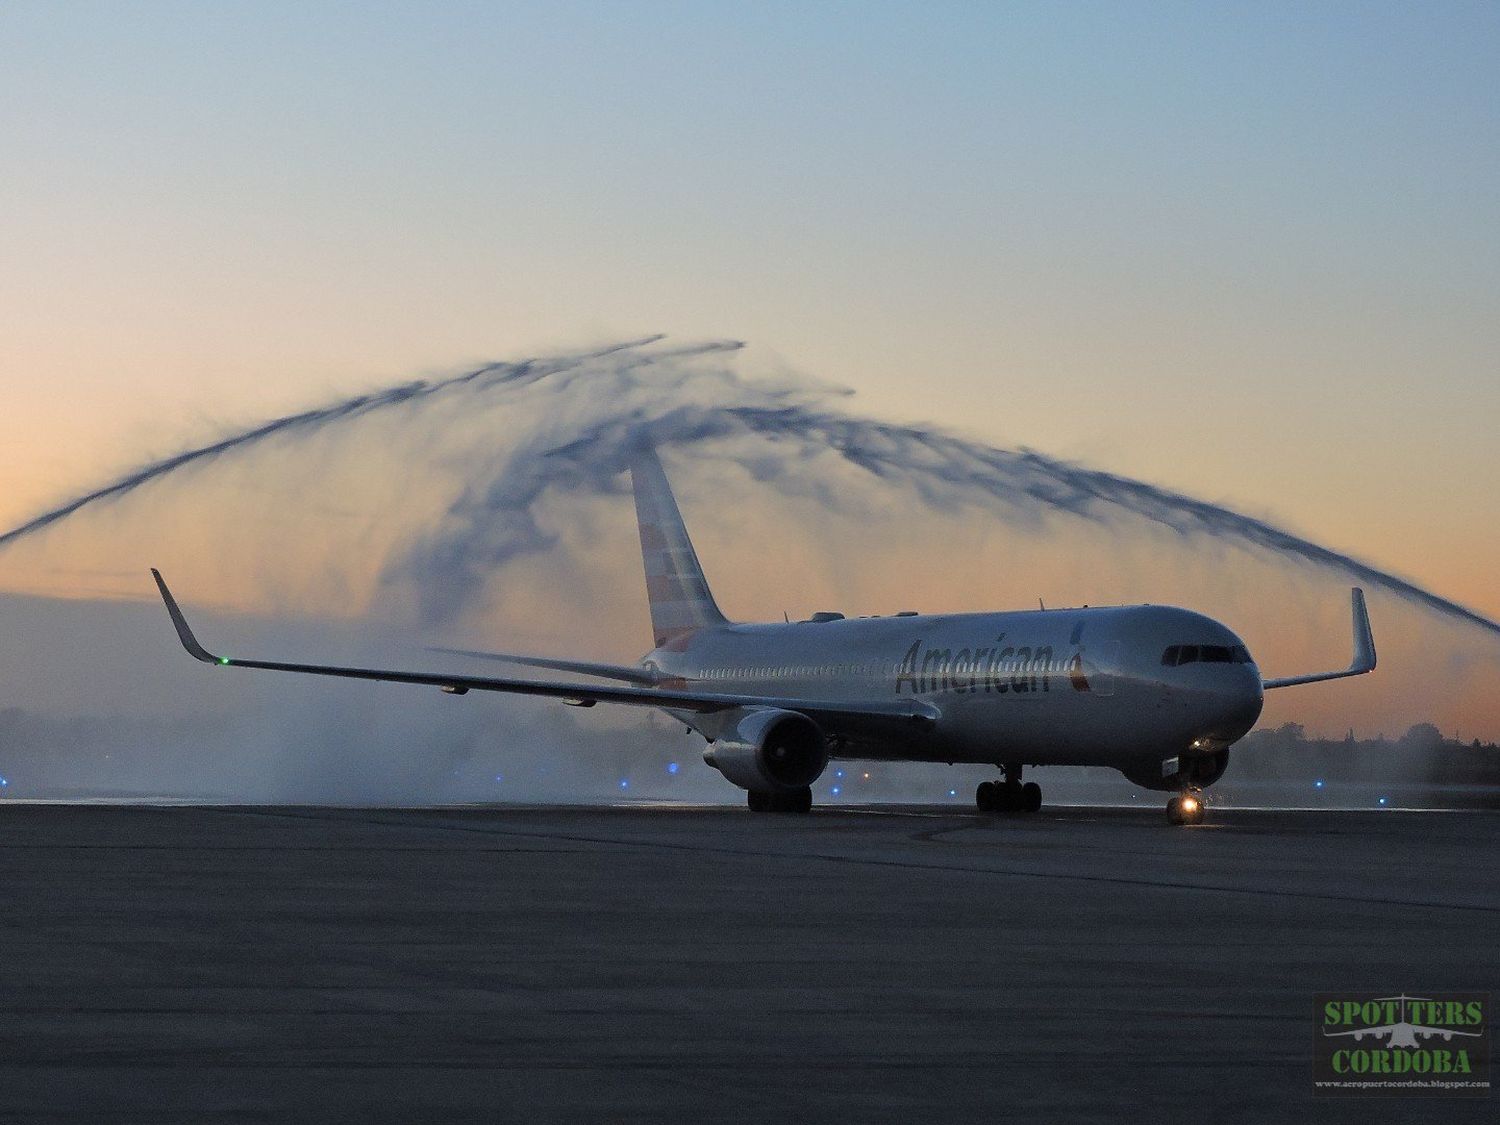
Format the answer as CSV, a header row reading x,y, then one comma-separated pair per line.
x,y
1364,649
184,634
1364,639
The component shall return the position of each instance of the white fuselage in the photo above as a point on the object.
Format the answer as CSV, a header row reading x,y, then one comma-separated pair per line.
x,y
1066,686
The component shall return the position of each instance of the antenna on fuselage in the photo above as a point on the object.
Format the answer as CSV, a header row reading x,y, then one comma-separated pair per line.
x,y
1041,605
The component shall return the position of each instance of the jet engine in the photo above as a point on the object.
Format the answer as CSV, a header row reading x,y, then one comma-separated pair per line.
x,y
771,750
1193,770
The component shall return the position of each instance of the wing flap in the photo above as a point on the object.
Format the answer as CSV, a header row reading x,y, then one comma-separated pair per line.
x,y
626,673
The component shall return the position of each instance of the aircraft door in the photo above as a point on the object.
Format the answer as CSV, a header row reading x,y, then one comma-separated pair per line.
x,y
1106,669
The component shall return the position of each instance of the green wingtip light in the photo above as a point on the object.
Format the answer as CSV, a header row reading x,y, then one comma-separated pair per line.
x,y
223,660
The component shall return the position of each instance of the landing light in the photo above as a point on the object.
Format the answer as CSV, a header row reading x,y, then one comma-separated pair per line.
x,y
1190,804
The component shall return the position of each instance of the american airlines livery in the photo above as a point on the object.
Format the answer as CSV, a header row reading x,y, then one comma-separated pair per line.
x,y
1156,692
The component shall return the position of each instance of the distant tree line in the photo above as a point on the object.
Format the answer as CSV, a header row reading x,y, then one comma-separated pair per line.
x,y
1421,755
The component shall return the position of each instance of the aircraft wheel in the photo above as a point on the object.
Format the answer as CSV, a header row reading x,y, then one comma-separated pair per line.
x,y
1185,808
793,801
985,797
1031,797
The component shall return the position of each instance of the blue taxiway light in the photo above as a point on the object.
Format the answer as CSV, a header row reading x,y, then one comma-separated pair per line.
x,y
838,773
1383,800
624,784
671,767
1318,784
835,790
953,792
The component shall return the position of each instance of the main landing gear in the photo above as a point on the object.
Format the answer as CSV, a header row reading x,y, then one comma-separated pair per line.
x,y
1008,795
1185,808
792,800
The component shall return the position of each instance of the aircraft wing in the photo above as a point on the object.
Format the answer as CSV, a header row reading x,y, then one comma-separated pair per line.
x,y
1364,649
1360,1032
627,673
853,716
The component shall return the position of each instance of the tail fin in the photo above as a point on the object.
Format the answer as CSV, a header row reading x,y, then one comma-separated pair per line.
x,y
675,586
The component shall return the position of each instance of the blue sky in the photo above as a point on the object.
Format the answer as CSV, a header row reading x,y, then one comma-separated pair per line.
x,y
1251,251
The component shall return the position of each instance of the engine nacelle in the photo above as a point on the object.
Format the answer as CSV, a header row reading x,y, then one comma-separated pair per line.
x,y
1192,770
771,750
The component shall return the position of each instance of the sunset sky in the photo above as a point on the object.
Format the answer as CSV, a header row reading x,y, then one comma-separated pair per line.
x,y
1247,251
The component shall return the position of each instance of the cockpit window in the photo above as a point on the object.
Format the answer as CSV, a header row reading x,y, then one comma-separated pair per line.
x,y
1207,654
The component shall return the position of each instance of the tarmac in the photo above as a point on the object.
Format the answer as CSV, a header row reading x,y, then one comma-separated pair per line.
x,y
651,963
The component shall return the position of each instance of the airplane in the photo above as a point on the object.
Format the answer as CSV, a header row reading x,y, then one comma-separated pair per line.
x,y
1156,692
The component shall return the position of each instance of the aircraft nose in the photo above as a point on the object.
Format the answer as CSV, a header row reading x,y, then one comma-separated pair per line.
x,y
1239,704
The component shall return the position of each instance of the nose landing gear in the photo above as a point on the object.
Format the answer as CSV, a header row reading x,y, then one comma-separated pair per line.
x,y
1008,795
1185,808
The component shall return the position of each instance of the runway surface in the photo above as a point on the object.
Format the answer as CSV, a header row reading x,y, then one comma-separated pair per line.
x,y
681,964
